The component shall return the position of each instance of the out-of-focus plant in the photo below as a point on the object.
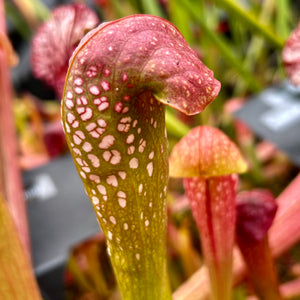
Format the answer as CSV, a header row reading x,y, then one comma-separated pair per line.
x,y
89,271
16,274
41,136
10,178
283,234
291,58
208,161
55,41
255,213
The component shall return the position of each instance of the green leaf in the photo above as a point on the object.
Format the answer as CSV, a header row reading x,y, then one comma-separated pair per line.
x,y
174,126
283,18
225,49
181,18
152,7
251,20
